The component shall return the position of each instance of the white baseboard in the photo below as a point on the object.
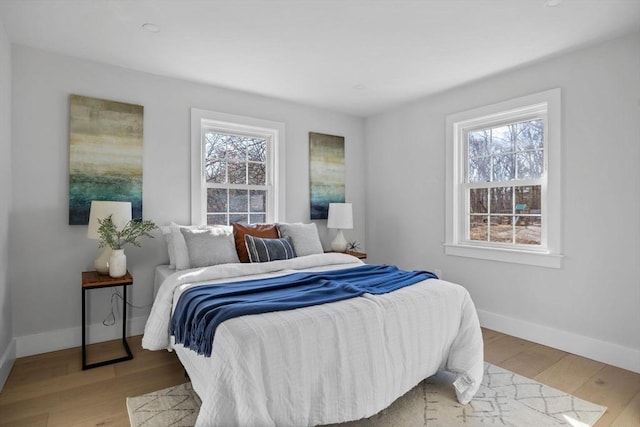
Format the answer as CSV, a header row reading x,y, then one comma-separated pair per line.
x,y
6,362
602,351
28,345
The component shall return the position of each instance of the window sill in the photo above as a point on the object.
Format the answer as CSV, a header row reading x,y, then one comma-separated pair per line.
x,y
539,259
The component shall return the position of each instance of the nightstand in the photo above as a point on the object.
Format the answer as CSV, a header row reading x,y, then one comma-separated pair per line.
x,y
93,280
359,255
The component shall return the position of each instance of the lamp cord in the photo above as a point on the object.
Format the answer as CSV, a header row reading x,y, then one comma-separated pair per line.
x,y
110,320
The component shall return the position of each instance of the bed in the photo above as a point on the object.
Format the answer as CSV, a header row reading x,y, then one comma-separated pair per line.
x,y
321,364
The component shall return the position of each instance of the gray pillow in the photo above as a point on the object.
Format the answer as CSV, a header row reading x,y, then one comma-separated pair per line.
x,y
180,251
210,246
304,238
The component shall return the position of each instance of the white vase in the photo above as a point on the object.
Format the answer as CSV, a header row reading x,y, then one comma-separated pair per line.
x,y
117,263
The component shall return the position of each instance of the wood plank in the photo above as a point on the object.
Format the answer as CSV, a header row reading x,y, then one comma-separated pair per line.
x,y
46,365
39,420
532,360
630,416
94,403
105,351
57,385
569,373
612,387
488,335
85,407
503,348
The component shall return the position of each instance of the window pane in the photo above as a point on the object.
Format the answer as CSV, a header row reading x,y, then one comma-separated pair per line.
x,y
528,199
237,173
479,143
215,144
236,149
479,169
530,135
216,200
478,227
241,218
502,200
257,218
258,201
238,201
504,167
217,219
479,200
529,230
257,173
256,149
501,229
503,139
215,171
530,164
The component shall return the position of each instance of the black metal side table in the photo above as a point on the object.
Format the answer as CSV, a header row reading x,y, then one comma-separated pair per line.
x,y
93,280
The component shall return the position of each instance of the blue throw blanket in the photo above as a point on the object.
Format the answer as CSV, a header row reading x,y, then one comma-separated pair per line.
x,y
201,309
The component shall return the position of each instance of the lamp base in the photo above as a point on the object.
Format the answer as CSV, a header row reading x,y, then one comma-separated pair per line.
x,y
339,244
101,263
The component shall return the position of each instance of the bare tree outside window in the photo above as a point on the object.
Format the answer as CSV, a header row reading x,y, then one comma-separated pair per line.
x,y
235,168
504,164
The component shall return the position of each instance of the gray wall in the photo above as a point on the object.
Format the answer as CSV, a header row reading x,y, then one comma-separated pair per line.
x,y
591,306
7,349
47,255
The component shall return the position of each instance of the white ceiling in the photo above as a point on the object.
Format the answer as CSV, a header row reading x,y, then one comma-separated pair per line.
x,y
355,56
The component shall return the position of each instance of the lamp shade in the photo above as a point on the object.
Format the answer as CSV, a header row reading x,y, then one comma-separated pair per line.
x,y
120,215
340,216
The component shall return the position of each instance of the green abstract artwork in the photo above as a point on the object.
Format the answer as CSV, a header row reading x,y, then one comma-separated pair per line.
x,y
326,172
105,155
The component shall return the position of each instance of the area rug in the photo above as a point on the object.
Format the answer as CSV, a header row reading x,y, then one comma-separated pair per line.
x,y
504,399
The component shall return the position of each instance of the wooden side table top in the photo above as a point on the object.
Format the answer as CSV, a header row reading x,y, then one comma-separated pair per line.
x,y
91,279
359,255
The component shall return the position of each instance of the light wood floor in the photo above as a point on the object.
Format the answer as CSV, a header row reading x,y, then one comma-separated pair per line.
x,y
52,390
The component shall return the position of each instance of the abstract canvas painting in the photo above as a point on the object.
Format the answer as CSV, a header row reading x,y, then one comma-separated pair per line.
x,y
326,172
105,155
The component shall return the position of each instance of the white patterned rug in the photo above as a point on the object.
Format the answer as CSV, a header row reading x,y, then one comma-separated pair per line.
x,y
504,399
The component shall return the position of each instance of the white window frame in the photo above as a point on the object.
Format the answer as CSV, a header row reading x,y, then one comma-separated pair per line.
x,y
273,132
548,254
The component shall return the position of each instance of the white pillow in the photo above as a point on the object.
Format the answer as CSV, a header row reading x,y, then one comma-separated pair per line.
x,y
168,239
180,253
304,238
209,246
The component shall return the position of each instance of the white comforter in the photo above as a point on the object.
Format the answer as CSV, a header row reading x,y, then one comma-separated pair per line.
x,y
323,364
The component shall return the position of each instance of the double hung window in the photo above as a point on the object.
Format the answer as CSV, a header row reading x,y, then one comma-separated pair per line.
x,y
236,166
503,182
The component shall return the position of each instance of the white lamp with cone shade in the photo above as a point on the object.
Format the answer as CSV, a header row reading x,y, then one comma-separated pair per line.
x,y
340,217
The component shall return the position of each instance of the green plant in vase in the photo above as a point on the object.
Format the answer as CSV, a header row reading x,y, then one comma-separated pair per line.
x,y
116,239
